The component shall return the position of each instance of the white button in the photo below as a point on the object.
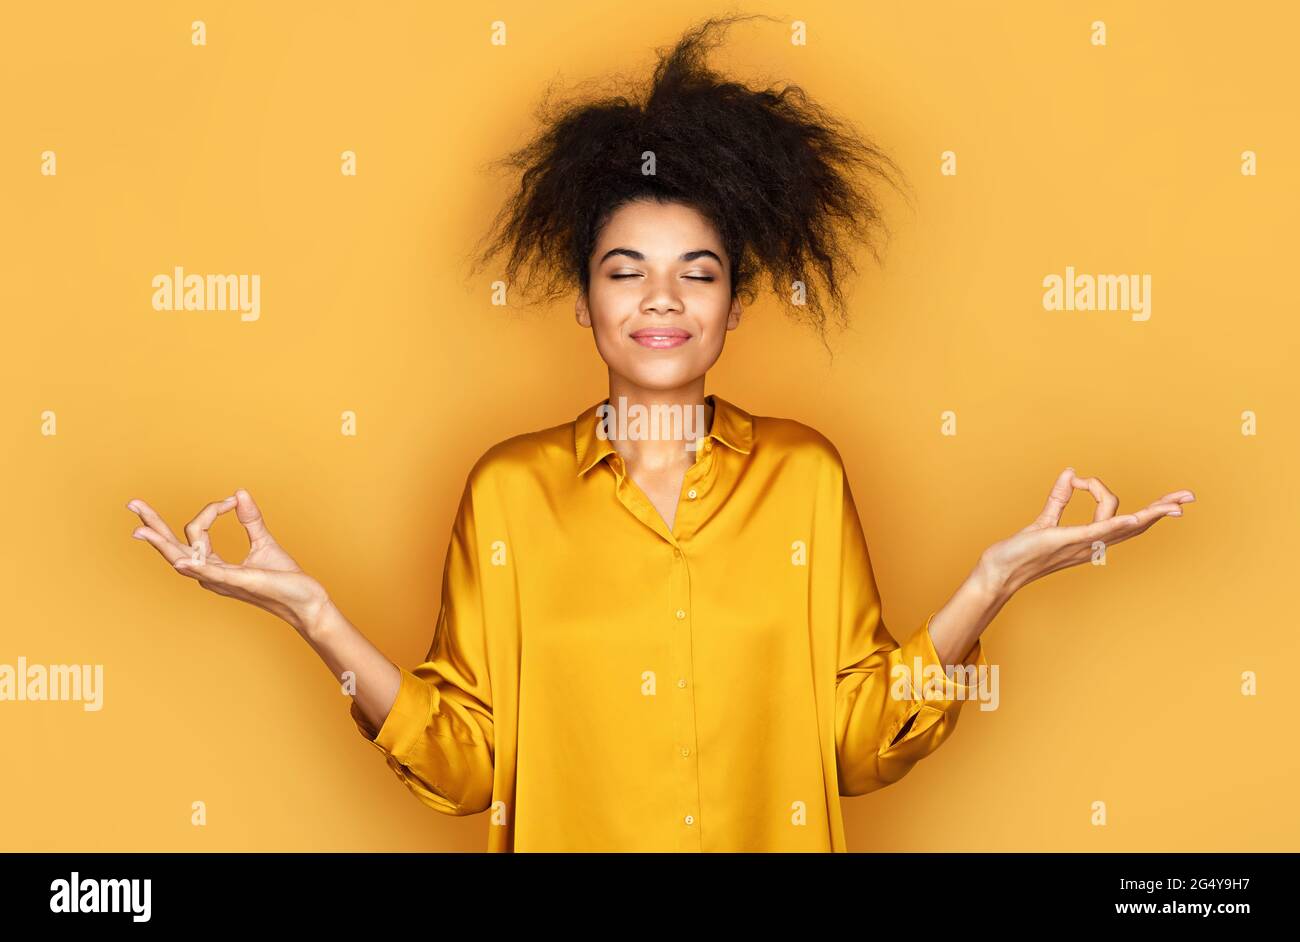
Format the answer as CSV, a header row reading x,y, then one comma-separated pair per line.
x,y
681,682
686,751
681,614
691,493
690,819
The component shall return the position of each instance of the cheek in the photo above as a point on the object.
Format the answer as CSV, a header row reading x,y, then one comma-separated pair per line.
x,y
608,304
606,333
714,330
609,290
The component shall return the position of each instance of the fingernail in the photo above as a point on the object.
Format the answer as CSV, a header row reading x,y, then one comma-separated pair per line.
x,y
1188,499
130,505
1174,513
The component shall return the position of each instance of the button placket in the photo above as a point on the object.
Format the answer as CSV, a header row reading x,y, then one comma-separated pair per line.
x,y
681,620
694,487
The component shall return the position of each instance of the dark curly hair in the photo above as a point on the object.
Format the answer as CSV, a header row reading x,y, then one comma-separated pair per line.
x,y
773,171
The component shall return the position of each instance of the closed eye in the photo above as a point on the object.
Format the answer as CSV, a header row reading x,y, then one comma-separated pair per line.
x,y
637,275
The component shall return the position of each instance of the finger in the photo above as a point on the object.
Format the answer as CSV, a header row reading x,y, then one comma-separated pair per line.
x,y
1124,526
196,552
222,574
1162,508
1148,516
169,548
1107,502
1057,499
151,519
1181,497
197,529
171,551
250,515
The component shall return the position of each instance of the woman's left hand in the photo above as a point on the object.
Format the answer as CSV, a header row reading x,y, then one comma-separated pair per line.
x,y
1045,546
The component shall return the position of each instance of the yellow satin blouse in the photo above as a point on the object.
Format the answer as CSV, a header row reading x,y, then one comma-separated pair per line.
x,y
598,682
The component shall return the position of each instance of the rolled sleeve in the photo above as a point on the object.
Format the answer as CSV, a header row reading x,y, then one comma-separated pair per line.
x,y
960,682
930,684
406,721
894,704
438,736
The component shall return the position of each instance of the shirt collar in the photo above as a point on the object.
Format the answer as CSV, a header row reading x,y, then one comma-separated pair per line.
x,y
731,425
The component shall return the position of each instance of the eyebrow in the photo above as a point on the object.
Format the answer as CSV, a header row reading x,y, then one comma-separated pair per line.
x,y
685,256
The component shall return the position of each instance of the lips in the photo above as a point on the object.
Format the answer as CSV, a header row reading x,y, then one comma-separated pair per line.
x,y
660,338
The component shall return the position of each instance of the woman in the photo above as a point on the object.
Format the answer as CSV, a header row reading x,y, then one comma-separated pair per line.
x,y
660,628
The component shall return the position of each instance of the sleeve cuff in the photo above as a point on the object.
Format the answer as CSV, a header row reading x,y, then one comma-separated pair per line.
x,y
407,719
929,679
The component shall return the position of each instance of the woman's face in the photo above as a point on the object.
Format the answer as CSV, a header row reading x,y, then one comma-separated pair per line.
x,y
659,301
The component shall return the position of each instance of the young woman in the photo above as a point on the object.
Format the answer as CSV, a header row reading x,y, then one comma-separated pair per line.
x,y
660,629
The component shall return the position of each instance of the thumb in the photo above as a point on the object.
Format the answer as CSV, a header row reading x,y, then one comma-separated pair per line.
x,y
1062,491
250,515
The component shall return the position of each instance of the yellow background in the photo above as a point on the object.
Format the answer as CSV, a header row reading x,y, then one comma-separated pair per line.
x,y
1119,684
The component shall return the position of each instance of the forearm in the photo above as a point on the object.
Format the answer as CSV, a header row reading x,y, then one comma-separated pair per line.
x,y
342,647
956,627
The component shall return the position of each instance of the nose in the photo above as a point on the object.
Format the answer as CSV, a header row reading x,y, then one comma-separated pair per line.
x,y
661,296
661,301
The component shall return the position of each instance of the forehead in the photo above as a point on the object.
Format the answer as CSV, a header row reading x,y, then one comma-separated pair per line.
x,y
658,228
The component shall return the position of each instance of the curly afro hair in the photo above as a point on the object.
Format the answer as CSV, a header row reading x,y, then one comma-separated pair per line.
x,y
783,181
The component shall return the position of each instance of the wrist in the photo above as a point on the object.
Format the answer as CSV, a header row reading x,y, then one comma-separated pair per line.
x,y
315,616
992,581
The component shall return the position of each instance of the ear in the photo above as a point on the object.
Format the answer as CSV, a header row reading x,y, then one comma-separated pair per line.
x,y
581,311
733,316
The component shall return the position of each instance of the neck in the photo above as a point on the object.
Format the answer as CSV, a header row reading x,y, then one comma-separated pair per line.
x,y
659,422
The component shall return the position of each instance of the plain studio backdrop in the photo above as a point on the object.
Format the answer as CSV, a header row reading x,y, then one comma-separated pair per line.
x,y
1120,684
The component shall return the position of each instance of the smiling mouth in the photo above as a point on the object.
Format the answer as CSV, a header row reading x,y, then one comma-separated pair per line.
x,y
660,338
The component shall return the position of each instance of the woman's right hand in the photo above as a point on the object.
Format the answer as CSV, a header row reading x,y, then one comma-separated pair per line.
x,y
268,577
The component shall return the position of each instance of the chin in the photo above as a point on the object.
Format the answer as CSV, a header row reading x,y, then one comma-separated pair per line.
x,y
661,376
